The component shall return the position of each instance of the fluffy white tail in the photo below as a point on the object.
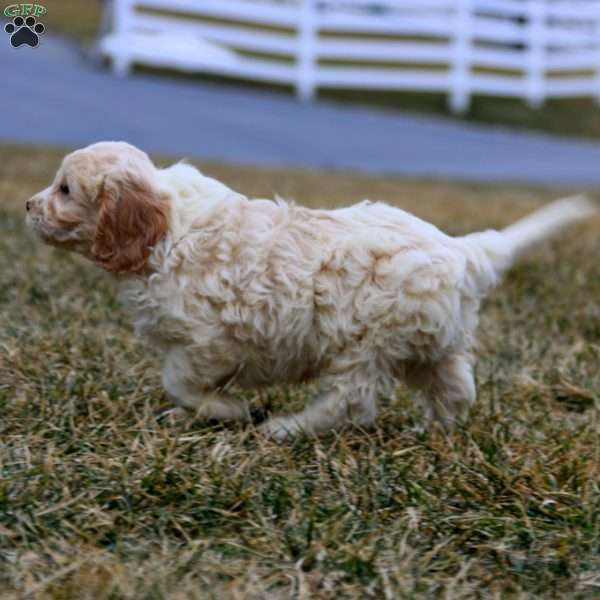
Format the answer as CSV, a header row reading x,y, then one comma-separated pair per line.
x,y
501,248
547,221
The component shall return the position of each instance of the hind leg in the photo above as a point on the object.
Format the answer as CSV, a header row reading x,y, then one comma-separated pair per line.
x,y
347,399
448,386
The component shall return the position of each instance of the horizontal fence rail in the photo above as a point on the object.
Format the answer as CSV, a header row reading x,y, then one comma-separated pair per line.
x,y
529,49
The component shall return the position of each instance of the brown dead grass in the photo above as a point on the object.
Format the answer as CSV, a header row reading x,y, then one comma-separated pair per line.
x,y
102,498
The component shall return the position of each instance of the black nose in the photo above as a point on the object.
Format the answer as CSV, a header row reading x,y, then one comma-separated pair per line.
x,y
28,205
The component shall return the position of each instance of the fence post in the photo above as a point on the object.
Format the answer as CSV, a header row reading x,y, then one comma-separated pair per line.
x,y
122,15
536,48
306,53
597,28
460,88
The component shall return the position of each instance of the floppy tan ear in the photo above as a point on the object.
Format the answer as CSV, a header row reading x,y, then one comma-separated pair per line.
x,y
133,218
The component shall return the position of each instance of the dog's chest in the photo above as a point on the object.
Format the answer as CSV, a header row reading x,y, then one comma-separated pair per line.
x,y
157,308
195,308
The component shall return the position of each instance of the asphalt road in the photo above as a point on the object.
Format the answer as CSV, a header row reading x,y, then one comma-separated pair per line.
x,y
51,95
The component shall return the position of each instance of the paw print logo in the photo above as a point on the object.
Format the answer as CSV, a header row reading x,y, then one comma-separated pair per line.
x,y
24,31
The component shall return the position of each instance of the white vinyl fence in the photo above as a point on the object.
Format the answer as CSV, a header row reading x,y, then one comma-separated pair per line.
x,y
530,49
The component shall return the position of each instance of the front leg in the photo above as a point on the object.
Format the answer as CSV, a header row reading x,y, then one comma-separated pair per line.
x,y
193,392
220,407
347,398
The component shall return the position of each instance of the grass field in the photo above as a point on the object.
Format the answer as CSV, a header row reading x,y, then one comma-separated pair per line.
x,y
103,497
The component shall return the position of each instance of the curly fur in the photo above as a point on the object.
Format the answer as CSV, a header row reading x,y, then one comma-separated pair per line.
x,y
239,293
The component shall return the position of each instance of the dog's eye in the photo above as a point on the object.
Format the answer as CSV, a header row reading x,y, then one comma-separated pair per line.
x,y
64,189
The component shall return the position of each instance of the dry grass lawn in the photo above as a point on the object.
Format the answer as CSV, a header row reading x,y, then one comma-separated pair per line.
x,y
103,498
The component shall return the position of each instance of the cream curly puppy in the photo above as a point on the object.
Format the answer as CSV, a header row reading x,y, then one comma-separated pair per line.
x,y
239,293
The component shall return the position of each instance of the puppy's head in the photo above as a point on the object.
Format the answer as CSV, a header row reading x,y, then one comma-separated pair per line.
x,y
105,204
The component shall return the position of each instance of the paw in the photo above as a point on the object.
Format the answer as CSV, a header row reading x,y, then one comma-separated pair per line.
x,y
173,415
282,428
24,31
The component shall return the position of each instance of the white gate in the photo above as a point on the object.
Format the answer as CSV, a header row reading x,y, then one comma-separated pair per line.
x,y
530,49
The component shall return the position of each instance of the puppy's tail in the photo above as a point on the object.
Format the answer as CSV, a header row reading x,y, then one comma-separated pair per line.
x,y
502,248
547,221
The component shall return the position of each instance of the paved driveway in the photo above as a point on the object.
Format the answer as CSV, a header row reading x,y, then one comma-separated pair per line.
x,y
50,95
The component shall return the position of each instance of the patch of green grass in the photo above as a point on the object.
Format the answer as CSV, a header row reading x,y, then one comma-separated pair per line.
x,y
573,117
103,496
